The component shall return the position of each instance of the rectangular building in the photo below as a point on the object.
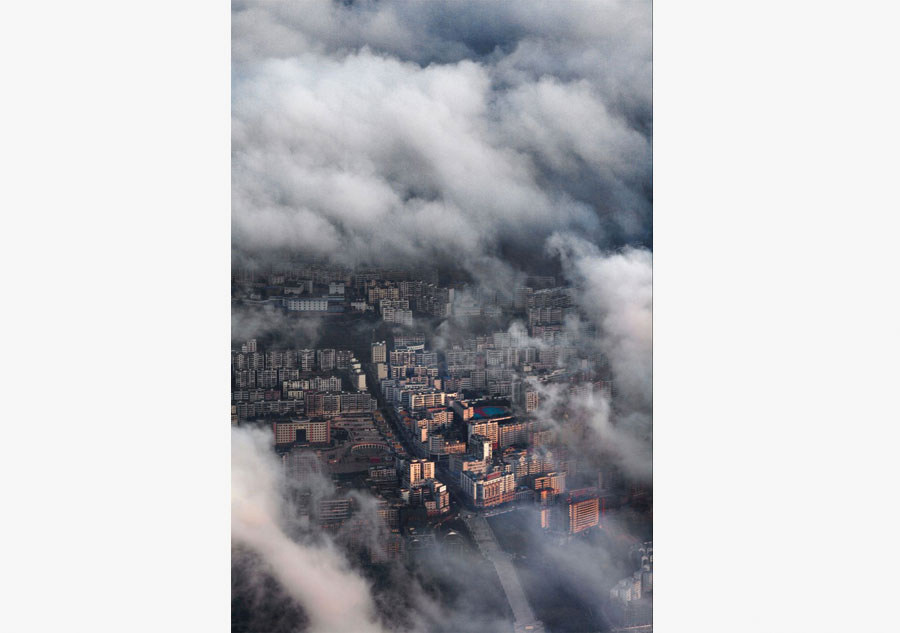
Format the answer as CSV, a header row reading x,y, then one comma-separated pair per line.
x,y
418,471
582,510
302,431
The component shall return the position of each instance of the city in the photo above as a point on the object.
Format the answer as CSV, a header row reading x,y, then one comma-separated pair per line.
x,y
420,423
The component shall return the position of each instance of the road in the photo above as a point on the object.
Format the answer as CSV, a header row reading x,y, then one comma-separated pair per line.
x,y
481,531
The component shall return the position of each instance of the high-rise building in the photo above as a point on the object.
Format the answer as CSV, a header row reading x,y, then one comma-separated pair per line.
x,y
488,490
554,482
487,428
306,358
343,358
514,432
583,510
480,447
379,352
440,498
532,401
418,471
326,359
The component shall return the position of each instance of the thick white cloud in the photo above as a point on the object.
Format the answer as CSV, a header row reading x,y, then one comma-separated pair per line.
x,y
616,294
425,131
368,157
318,577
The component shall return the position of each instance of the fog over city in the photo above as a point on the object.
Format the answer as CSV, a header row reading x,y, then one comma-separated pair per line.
x,y
496,140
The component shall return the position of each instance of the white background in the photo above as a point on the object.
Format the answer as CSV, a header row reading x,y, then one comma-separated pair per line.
x,y
775,316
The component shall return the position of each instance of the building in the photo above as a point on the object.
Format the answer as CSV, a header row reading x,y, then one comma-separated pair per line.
x,y
631,599
306,304
582,510
302,431
480,447
397,315
306,358
333,513
438,501
417,472
484,491
326,359
441,416
439,445
514,432
486,428
343,358
321,383
379,352
358,402
301,464
460,463
532,401
418,400
554,482
406,340
322,403
383,476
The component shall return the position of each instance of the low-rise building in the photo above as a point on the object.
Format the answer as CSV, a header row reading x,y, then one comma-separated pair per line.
x,y
302,431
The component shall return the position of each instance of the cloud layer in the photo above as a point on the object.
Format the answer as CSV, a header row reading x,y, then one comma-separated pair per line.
x,y
465,132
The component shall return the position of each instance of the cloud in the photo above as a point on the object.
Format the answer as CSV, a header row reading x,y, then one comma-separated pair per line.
x,y
616,294
274,328
424,132
318,576
595,432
